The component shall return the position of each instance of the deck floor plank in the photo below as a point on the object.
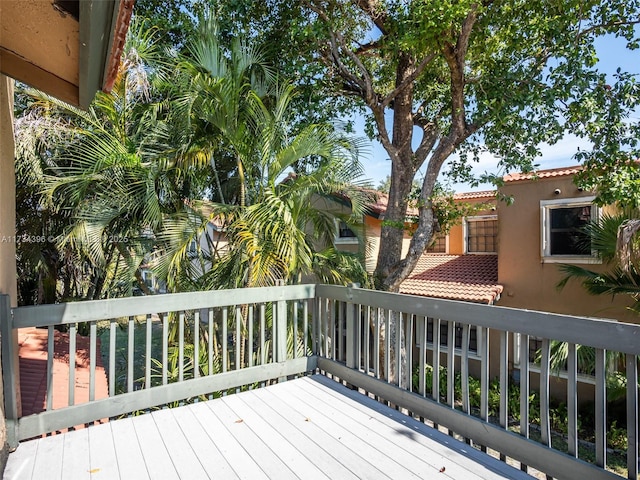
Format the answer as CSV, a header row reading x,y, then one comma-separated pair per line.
x,y
102,453
204,448
311,427
379,459
185,461
348,457
48,463
457,453
387,441
128,453
289,425
155,453
260,451
23,465
235,453
73,465
281,446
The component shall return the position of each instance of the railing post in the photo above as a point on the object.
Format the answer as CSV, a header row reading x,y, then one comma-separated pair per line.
x,y
10,371
352,345
281,328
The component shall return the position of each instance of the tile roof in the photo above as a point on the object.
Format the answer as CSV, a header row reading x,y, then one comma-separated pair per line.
x,y
473,195
472,278
379,206
549,173
33,370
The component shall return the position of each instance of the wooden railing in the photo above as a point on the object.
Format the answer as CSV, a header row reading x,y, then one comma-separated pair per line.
x,y
162,349
182,347
379,341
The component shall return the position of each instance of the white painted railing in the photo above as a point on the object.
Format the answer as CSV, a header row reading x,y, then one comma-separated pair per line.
x,y
162,349
372,340
368,336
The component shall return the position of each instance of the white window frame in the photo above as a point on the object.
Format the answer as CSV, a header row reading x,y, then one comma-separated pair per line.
x,y
338,240
446,246
465,233
545,231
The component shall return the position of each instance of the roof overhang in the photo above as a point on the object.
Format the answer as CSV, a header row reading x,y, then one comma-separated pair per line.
x,y
69,49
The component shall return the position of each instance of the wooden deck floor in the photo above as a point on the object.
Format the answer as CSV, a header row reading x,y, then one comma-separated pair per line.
x,y
306,428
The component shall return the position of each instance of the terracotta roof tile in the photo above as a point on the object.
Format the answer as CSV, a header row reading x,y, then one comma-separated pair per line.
x,y
552,172
472,278
473,195
379,206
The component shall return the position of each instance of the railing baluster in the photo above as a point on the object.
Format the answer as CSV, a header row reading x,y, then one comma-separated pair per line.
x,y
545,421
50,354
225,338
435,380
250,336
464,369
130,345
165,348
112,358
367,340
239,340
422,336
147,356
263,329
210,340
524,385
316,329
295,329
305,326
196,344
632,415
409,343
504,378
93,333
72,363
274,317
181,318
601,408
376,344
399,316
483,337
387,346
358,319
332,327
572,400
451,362
524,388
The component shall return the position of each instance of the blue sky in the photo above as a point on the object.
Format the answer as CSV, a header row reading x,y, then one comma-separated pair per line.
x,y
611,53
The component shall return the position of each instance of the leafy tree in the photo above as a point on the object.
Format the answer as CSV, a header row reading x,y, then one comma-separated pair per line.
x,y
461,77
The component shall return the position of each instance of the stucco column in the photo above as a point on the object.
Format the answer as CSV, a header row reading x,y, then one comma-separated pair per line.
x,y
8,283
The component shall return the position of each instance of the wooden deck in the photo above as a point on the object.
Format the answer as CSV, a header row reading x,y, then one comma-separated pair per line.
x,y
307,428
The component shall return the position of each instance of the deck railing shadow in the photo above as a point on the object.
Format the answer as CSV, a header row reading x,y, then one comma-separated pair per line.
x,y
217,342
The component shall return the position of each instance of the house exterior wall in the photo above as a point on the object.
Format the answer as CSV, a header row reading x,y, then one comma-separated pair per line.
x,y
456,234
8,283
529,282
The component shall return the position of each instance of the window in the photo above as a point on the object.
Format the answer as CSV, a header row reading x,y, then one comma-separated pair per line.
x,y
444,334
563,235
345,235
481,234
438,244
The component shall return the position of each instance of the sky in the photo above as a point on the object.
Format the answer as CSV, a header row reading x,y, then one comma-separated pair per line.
x,y
611,53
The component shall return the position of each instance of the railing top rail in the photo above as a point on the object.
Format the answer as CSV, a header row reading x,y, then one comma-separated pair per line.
x,y
594,332
44,315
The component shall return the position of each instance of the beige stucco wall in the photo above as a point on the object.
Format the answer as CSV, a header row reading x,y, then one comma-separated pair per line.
x,y
456,232
528,282
8,284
